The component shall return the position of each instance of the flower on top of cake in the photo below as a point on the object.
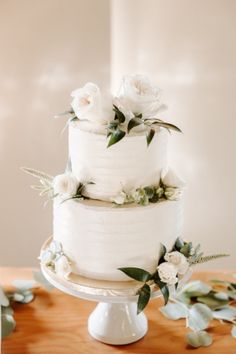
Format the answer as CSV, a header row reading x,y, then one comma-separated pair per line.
x,y
135,109
169,187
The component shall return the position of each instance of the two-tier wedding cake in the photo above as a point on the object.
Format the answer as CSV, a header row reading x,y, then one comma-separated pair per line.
x,y
118,199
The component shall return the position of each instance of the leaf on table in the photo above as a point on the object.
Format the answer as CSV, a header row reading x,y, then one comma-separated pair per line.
x,y
199,339
174,311
23,284
199,317
8,325
227,313
196,288
233,332
212,301
4,301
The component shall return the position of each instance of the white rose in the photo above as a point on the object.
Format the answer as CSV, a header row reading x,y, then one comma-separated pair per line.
x,y
167,273
120,198
139,96
65,184
86,103
178,260
62,266
171,179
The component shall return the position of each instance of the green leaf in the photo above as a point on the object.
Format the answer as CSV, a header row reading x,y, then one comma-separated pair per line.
x,y
211,301
174,311
199,317
233,332
186,248
149,191
116,136
8,325
23,285
163,287
118,114
171,126
162,253
3,298
199,339
7,311
196,288
179,243
136,273
227,313
144,296
150,136
134,122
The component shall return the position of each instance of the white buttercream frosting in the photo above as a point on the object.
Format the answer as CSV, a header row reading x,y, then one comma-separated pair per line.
x,y
127,165
98,237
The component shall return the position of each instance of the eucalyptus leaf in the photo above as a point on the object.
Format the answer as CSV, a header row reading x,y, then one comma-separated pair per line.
x,y
134,122
137,273
211,301
28,298
227,313
149,191
186,249
144,296
233,332
116,136
199,317
4,301
199,339
149,136
174,311
7,310
8,325
39,277
179,243
196,288
18,297
22,284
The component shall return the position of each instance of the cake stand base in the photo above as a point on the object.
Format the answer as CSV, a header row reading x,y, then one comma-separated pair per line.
x,y
117,323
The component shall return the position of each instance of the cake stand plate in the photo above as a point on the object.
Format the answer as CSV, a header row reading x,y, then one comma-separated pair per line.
x,y
114,320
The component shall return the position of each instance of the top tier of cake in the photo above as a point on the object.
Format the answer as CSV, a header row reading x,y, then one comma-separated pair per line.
x,y
119,143
127,165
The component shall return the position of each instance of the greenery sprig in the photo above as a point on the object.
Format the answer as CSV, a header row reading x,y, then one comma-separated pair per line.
x,y
22,293
116,130
192,256
46,182
199,303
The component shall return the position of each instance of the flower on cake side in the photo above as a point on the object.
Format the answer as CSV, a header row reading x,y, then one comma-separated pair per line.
x,y
137,105
172,266
54,258
170,187
65,186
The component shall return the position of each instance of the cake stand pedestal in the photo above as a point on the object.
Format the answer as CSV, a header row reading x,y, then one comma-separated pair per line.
x,y
114,320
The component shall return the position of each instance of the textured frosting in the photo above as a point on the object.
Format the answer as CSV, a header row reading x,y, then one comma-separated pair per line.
x,y
99,237
129,164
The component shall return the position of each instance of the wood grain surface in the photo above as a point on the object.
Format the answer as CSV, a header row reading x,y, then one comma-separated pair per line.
x,y
56,323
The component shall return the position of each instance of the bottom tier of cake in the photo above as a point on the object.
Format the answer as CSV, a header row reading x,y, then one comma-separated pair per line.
x,y
99,238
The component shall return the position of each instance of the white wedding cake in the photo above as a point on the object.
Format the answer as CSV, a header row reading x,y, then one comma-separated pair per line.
x,y
118,199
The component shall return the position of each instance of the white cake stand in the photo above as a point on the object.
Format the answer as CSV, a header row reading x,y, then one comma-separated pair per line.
x,y
114,320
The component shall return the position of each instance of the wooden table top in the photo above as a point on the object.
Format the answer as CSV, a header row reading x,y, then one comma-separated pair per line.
x,y
56,323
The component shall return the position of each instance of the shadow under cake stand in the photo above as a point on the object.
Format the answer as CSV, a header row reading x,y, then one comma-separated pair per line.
x,y
114,320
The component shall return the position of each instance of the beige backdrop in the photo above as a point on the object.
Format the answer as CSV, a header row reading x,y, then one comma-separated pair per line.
x,y
50,47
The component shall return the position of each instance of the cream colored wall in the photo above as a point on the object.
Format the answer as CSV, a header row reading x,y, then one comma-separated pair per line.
x,y
48,48
189,48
